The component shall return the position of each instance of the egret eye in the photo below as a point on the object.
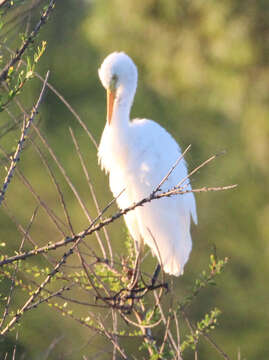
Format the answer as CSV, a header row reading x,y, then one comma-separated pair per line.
x,y
113,82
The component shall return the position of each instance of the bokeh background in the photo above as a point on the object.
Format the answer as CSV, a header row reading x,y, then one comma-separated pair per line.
x,y
204,76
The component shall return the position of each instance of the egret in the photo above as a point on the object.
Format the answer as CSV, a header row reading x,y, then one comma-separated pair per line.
x,y
137,155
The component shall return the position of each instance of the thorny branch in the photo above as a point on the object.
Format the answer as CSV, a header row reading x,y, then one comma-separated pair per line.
x,y
92,227
27,42
25,129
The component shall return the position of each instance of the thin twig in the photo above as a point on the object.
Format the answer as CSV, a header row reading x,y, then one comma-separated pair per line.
x,y
70,184
12,286
25,129
52,346
195,170
172,341
27,42
49,211
165,334
52,216
217,348
92,227
92,191
47,298
172,168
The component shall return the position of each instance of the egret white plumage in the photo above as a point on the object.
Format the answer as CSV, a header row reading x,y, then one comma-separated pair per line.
x,y
137,155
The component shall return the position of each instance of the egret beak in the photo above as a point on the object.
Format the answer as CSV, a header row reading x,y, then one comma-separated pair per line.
x,y
110,105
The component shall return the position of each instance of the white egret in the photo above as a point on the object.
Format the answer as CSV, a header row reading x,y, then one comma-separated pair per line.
x,y
137,155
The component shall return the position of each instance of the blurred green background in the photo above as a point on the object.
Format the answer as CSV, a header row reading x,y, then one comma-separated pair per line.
x,y
204,76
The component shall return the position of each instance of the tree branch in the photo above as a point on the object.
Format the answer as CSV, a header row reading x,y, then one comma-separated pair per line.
x,y
27,42
25,129
92,227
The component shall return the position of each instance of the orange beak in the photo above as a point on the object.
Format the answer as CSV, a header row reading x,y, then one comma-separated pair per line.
x,y
110,104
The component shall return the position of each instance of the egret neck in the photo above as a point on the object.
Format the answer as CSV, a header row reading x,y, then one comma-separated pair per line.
x,y
119,106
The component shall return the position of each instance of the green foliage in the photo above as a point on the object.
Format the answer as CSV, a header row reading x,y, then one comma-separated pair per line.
x,y
16,78
205,278
207,324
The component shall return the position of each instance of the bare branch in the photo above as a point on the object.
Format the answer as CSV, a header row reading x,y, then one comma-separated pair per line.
x,y
92,191
25,128
92,227
172,168
27,42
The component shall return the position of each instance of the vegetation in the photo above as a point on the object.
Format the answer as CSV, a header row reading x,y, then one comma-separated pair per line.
x,y
68,290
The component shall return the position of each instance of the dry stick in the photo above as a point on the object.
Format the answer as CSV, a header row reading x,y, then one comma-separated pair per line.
x,y
16,269
178,336
15,347
24,232
165,334
111,338
139,325
52,346
70,108
51,294
93,228
154,278
71,352
101,329
67,217
172,341
27,42
47,298
192,330
178,191
80,321
98,278
71,185
83,303
91,190
50,212
90,279
57,186
148,339
19,227
173,168
196,169
217,348
58,189
115,330
25,129
206,336
55,219
45,162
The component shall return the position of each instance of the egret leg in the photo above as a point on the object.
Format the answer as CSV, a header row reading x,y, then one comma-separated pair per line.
x,y
156,274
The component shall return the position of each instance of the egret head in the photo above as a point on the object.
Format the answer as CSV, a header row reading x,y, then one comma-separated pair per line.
x,y
118,74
